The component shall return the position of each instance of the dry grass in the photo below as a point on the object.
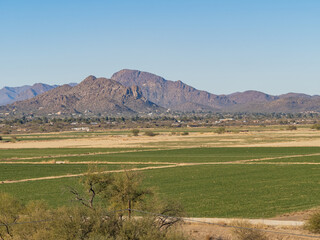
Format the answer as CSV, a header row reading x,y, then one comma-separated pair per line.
x,y
269,138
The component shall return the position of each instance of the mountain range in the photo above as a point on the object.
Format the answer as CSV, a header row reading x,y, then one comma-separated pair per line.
x,y
134,92
12,94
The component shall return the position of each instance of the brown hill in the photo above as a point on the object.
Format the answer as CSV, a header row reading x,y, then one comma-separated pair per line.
x,y
294,103
283,103
251,96
92,95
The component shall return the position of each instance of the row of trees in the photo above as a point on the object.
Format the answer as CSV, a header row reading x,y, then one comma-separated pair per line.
x,y
186,117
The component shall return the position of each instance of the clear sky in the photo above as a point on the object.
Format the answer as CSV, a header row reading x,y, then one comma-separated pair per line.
x,y
221,46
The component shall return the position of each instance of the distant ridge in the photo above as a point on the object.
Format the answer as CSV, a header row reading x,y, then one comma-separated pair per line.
x,y
134,92
12,94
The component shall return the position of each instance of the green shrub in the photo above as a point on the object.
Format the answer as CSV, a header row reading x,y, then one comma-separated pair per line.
x,y
313,224
316,126
1,138
135,132
291,127
184,133
150,133
220,130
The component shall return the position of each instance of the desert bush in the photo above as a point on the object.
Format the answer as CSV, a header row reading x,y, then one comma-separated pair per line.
x,y
245,231
316,126
220,130
313,223
291,127
1,138
135,132
184,133
208,237
13,139
145,229
150,133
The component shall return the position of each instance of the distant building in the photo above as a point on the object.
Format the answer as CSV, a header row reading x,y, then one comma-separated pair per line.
x,y
81,129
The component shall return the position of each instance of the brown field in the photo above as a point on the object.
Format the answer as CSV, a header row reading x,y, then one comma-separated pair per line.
x,y
271,138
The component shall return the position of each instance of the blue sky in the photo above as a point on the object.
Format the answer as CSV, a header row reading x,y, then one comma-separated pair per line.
x,y
221,46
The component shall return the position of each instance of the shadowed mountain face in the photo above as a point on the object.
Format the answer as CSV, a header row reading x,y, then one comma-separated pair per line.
x,y
92,95
11,94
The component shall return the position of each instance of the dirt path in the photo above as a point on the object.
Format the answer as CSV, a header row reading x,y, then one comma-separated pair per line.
x,y
81,154
91,162
81,174
281,157
269,222
165,165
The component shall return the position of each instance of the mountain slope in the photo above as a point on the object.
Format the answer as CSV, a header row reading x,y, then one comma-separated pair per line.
x,y
92,95
171,94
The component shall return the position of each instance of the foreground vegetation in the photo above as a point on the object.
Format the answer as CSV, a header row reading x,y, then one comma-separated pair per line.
x,y
91,220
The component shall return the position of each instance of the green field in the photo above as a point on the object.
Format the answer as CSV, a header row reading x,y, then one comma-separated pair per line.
x,y
252,191
188,155
26,171
224,189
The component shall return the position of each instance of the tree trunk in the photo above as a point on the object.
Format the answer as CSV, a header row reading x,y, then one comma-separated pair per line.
x,y
129,209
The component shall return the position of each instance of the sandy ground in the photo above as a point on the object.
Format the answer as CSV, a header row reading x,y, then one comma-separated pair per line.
x,y
220,229
251,139
218,232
